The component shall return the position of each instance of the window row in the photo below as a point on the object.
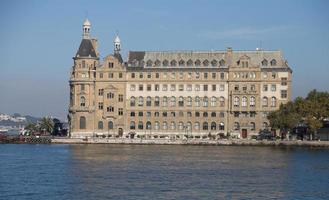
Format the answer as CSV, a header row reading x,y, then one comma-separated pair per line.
x,y
245,75
177,125
272,62
244,101
183,63
180,75
181,101
174,87
252,126
177,114
265,102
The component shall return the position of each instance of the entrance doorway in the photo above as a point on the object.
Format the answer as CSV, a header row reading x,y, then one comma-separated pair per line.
x,y
120,132
244,133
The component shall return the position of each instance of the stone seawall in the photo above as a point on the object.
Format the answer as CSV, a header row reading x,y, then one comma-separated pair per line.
x,y
190,142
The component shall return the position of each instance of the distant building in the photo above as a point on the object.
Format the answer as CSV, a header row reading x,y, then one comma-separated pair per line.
x,y
174,93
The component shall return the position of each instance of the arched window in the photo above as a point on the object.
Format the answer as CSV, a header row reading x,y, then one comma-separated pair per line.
x,y
82,101
244,102
222,101
100,125
222,63
189,63
156,101
173,125
110,125
197,101
181,101
205,101
273,102
165,63
149,63
273,62
214,63
140,125
252,126
205,63
196,125
189,101
265,125
173,101
140,101
148,125
132,101
197,63
82,122
205,126
148,101
213,101
205,114
221,126
213,126
213,114
252,101
132,125
164,125
173,63
157,63
236,126
181,63
165,101
156,125
264,63
236,101
189,126
265,101
180,125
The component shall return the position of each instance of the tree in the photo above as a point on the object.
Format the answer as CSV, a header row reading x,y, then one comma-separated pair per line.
x,y
47,124
31,128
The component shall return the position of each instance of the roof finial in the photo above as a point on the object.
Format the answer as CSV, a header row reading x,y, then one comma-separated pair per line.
x,y
117,43
86,29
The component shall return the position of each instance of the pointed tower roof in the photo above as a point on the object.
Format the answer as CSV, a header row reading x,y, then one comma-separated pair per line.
x,y
86,49
117,39
86,23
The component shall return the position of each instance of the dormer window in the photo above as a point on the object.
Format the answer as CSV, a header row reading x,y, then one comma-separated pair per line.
x,y
149,63
205,63
222,63
273,62
110,64
264,63
165,63
181,63
197,62
173,63
189,63
157,63
214,63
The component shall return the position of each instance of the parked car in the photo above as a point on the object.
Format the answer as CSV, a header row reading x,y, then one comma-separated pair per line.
x,y
265,135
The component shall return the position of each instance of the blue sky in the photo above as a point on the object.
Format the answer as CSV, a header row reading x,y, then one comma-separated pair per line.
x,y
39,38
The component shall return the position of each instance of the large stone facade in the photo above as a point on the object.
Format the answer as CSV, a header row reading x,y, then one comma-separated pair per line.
x,y
175,93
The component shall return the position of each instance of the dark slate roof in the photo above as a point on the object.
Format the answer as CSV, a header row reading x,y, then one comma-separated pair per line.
x,y
136,55
119,57
86,48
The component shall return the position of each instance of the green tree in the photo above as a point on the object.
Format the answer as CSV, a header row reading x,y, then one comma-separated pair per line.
x,y
47,124
31,128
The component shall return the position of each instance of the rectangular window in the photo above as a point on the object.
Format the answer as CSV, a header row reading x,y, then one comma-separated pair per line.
x,y
132,75
120,75
189,87
222,75
273,75
111,75
149,75
283,81
189,75
132,87
244,88
110,64
148,87
156,87
197,75
110,95
100,75
164,87
132,114
110,109
82,88
181,75
236,114
120,111
164,114
205,75
173,75
172,87
181,88
140,75
120,99
221,87
213,87
284,94
273,87
197,87
197,114
140,114
205,87
252,87
100,105
157,75
213,75
252,114
140,87
265,88
100,92
236,87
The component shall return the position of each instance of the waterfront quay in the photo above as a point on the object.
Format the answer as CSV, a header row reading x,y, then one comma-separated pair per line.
x,y
163,141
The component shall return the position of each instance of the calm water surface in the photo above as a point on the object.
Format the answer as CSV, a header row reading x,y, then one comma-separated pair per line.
x,y
162,172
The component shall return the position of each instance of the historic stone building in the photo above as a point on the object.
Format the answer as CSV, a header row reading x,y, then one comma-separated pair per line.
x,y
174,93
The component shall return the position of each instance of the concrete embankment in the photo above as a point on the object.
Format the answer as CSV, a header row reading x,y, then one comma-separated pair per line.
x,y
232,142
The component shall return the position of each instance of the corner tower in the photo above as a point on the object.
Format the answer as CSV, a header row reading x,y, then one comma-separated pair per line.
x,y
82,84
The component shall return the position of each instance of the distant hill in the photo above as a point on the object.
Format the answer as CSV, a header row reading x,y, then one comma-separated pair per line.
x,y
13,122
